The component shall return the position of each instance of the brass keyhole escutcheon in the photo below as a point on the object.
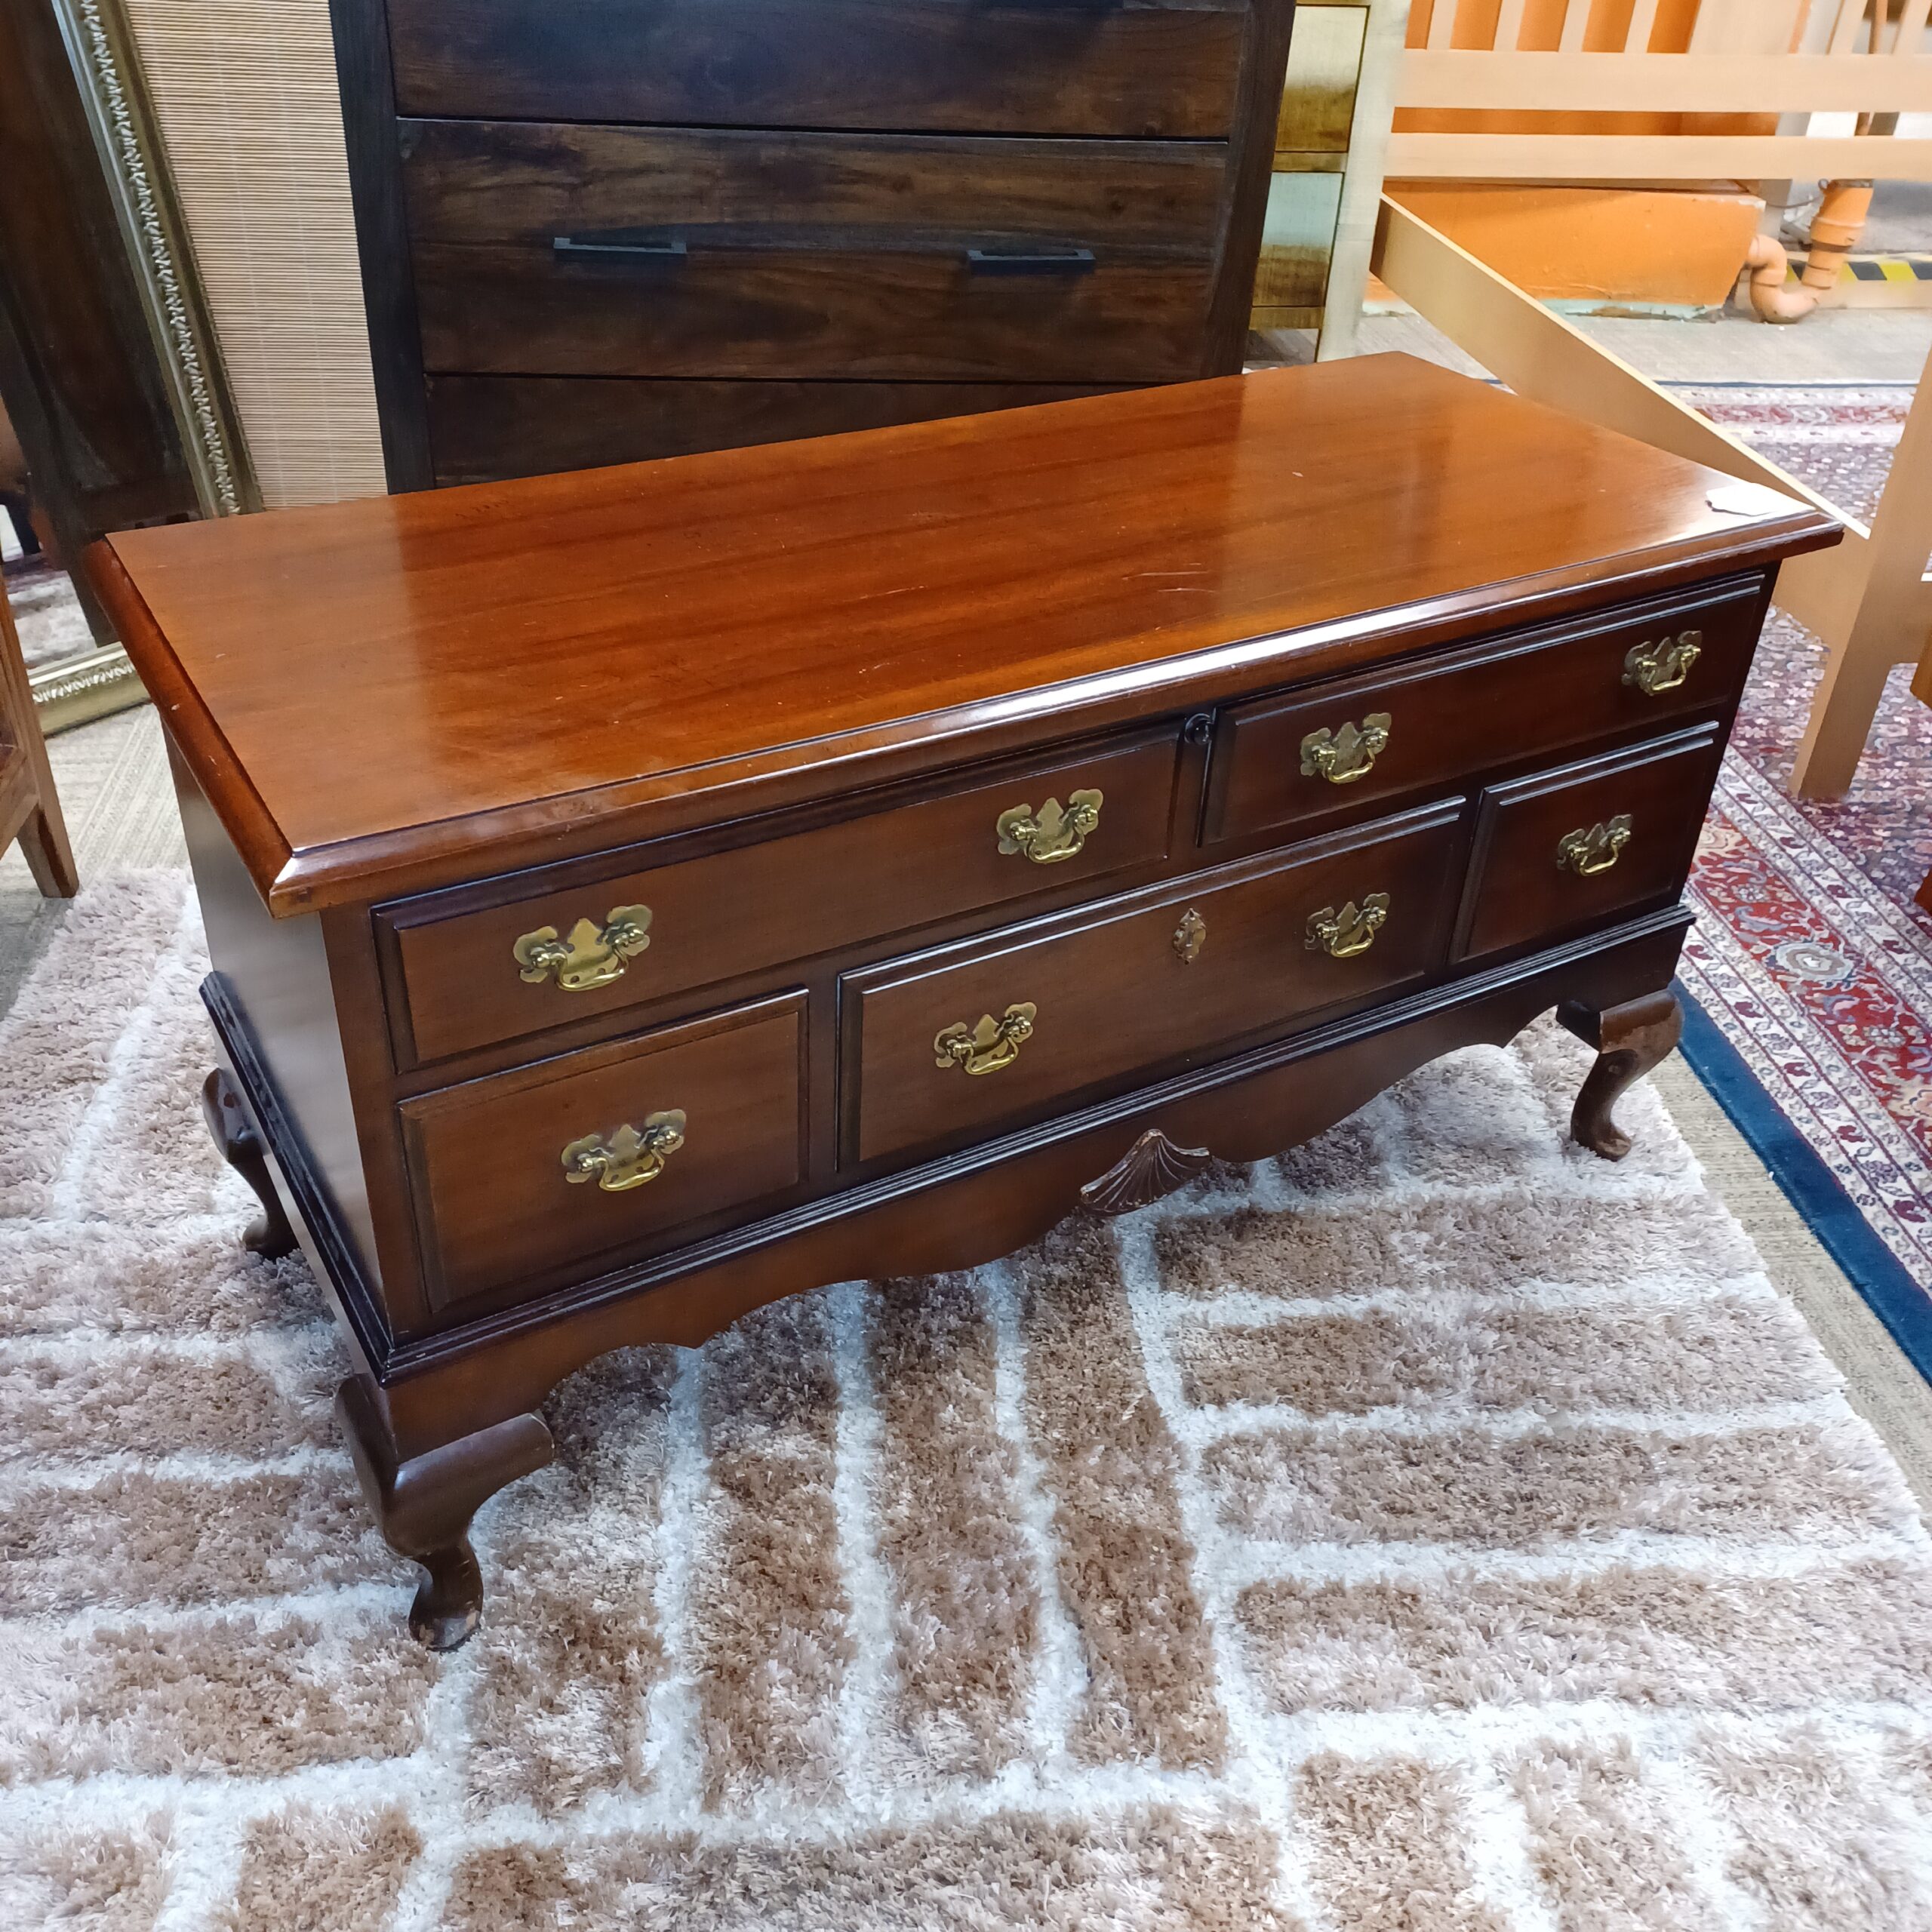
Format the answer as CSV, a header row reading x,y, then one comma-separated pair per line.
x,y
1189,936
989,1045
1343,935
630,1156
592,955
1053,832
1346,753
1653,668
1594,849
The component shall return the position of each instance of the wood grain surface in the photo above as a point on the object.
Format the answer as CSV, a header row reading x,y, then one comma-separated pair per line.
x,y
484,427
874,142
1114,998
496,1207
395,694
1037,66
785,256
1468,711
786,899
1518,894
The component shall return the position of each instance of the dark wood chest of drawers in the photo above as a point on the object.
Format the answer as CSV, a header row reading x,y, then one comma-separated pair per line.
x,y
622,229
639,894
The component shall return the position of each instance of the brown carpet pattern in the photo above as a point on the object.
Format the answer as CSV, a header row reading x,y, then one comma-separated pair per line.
x,y
1435,1529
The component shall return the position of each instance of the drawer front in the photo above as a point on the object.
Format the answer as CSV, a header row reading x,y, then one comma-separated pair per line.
x,y
1024,66
466,984
661,1132
630,251
943,1047
1568,850
482,428
1313,757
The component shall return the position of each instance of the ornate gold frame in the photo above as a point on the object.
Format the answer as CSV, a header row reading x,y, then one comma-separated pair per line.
x,y
107,67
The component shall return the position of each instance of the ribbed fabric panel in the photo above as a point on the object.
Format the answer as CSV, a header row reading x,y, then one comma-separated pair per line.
x,y
244,91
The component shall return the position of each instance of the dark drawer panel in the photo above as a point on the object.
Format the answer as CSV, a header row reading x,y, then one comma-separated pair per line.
x,y
1500,702
1018,66
1157,979
484,427
716,1115
690,252
1568,850
707,920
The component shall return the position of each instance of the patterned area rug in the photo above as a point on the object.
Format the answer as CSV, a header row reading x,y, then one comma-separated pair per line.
x,y
1809,954
1437,1529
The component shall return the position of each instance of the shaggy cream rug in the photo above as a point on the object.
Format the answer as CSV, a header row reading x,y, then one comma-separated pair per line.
x,y
1434,1531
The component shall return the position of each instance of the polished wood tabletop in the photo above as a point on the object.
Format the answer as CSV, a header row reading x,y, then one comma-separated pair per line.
x,y
389,695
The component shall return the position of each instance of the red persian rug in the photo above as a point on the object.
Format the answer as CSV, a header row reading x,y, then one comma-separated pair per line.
x,y
1810,957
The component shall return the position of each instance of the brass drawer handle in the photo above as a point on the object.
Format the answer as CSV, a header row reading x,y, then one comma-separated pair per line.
x,y
990,1045
1344,755
1587,853
1662,666
1343,935
1189,936
591,956
628,1159
1054,834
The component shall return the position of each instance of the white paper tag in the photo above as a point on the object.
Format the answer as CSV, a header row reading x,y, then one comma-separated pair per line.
x,y
1751,500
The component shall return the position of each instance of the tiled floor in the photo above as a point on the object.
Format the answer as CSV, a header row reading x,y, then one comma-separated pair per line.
x,y
1830,346
1901,219
1862,346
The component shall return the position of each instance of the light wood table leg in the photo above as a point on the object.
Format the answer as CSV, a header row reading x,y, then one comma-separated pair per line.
x,y
29,807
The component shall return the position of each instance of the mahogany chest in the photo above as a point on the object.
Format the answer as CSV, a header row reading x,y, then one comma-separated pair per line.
x,y
615,229
639,894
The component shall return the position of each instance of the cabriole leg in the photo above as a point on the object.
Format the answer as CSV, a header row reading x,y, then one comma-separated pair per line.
x,y
424,1506
1630,1039
240,1146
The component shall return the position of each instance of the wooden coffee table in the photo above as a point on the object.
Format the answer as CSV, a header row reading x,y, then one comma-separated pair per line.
x,y
639,894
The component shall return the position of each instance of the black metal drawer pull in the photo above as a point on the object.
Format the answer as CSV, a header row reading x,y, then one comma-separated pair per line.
x,y
1030,261
641,244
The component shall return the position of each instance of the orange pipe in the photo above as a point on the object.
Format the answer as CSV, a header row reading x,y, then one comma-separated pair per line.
x,y
1835,231
1773,300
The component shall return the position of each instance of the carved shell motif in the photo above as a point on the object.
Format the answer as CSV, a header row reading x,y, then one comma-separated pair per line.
x,y
1152,1167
